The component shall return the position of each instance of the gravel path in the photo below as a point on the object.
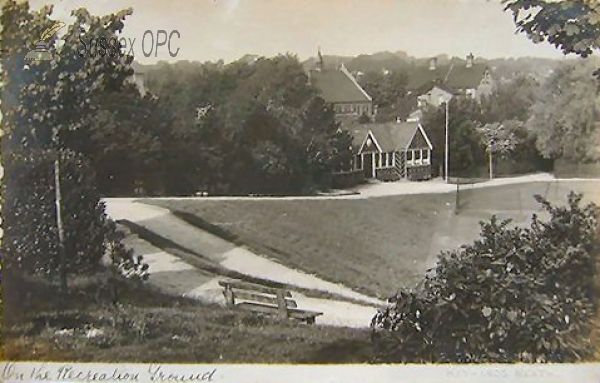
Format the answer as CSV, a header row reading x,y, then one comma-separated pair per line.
x,y
404,187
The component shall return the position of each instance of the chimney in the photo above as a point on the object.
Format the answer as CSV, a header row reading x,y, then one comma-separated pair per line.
x,y
319,60
470,59
432,63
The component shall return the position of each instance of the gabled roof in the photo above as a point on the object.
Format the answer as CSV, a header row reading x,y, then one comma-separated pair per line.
x,y
424,92
389,137
446,89
338,85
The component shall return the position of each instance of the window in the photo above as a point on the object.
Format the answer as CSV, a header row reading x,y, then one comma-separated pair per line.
x,y
409,156
417,156
359,162
384,159
391,159
426,156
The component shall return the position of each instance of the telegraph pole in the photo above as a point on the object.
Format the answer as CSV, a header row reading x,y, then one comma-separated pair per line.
x,y
446,146
62,257
491,172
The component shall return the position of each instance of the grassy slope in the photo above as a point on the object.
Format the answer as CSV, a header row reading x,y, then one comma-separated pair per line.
x,y
368,244
374,245
152,327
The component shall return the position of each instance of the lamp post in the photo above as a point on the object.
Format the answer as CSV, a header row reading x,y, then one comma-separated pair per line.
x,y
446,149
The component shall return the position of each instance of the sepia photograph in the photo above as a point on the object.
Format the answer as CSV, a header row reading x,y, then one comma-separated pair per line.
x,y
298,183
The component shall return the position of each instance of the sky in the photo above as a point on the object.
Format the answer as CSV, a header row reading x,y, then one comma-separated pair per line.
x,y
210,30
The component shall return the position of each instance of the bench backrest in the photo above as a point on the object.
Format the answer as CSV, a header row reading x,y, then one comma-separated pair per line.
x,y
239,292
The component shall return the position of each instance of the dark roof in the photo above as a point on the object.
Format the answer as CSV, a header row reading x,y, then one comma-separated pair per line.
x,y
422,77
462,77
455,76
391,136
337,85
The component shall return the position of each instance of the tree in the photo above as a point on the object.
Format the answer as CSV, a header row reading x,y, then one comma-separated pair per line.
x,y
565,116
247,128
388,91
501,135
571,25
124,142
41,101
511,101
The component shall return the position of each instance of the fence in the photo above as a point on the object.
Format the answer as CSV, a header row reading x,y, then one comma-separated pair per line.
x,y
341,180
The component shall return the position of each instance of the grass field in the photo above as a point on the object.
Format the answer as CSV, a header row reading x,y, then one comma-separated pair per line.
x,y
375,245
148,326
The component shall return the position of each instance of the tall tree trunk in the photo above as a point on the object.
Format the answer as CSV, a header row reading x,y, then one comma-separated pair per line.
x,y
62,259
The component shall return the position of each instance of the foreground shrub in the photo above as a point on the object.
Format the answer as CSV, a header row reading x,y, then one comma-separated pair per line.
x,y
30,241
516,294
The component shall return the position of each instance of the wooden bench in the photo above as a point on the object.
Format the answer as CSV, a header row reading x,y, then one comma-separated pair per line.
x,y
264,299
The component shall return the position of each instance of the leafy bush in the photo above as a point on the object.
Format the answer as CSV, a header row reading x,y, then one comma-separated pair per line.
x,y
30,242
516,294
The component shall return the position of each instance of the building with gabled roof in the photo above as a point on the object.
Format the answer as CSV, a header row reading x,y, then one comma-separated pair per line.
x,y
392,151
339,88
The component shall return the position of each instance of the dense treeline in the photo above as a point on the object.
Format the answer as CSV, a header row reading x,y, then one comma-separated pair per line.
x,y
241,128
256,126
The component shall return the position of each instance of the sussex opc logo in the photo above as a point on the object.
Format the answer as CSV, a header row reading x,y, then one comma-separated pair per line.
x,y
41,51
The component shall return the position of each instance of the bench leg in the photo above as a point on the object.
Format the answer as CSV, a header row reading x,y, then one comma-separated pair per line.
x,y
282,305
229,298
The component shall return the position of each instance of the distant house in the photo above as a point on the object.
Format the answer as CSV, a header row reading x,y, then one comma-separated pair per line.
x,y
392,151
467,78
437,95
340,89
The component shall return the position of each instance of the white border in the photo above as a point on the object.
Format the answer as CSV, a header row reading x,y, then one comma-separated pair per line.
x,y
257,373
